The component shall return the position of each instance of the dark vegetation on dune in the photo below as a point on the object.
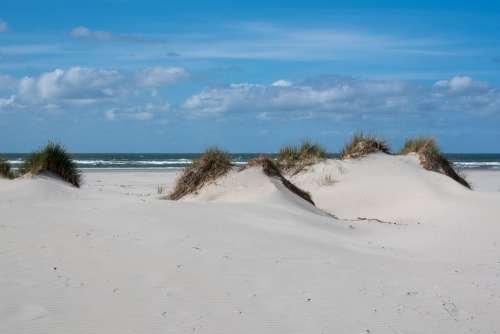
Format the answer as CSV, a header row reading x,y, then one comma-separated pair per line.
x,y
293,159
362,145
271,169
5,169
54,159
431,158
213,164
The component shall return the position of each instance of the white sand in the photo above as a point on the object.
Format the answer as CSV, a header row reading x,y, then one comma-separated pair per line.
x,y
246,256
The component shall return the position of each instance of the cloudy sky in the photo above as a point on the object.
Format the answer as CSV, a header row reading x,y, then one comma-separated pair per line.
x,y
164,76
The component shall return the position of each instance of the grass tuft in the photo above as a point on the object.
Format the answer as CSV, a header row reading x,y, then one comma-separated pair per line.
x,y
361,145
213,164
420,144
271,169
431,158
55,159
293,159
5,169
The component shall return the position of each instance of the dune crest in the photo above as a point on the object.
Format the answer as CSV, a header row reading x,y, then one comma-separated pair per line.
x,y
259,182
388,187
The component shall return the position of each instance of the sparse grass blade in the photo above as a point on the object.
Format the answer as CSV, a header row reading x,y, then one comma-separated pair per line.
x,y
293,159
362,145
431,158
213,164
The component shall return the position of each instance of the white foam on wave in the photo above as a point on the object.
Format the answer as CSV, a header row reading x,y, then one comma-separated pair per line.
x,y
478,164
128,162
183,162
132,162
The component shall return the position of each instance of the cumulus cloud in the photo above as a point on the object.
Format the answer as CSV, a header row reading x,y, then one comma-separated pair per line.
x,y
161,76
346,97
3,26
282,83
77,84
121,95
84,86
460,83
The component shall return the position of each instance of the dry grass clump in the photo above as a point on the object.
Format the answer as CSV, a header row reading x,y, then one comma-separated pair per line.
x,y
361,145
418,144
431,158
5,169
271,169
294,159
213,164
55,159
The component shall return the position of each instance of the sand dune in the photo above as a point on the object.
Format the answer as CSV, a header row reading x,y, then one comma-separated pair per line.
x,y
392,188
247,256
251,185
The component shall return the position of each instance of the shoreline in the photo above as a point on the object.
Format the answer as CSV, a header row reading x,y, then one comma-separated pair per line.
x,y
176,161
481,179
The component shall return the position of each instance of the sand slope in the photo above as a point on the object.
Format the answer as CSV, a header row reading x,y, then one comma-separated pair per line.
x,y
251,185
396,189
246,258
392,188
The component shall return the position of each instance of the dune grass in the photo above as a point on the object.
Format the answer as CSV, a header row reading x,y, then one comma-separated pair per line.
x,y
213,164
293,159
55,159
415,145
431,158
271,169
361,145
5,169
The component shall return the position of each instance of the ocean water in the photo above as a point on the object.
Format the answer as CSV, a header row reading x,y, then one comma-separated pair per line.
x,y
177,161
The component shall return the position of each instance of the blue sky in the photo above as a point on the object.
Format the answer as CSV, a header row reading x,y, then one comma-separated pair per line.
x,y
163,76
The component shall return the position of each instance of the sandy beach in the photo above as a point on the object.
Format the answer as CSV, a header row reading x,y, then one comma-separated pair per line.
x,y
249,167
389,248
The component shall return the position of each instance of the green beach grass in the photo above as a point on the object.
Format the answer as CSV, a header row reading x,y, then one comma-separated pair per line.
x,y
53,158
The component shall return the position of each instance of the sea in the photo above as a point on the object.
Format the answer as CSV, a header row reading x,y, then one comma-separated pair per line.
x,y
177,161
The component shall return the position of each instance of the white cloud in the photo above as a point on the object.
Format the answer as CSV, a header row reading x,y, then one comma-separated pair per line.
x,y
84,32
81,32
77,84
117,114
459,83
3,26
345,97
7,103
123,95
269,41
84,86
282,83
161,76
138,113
